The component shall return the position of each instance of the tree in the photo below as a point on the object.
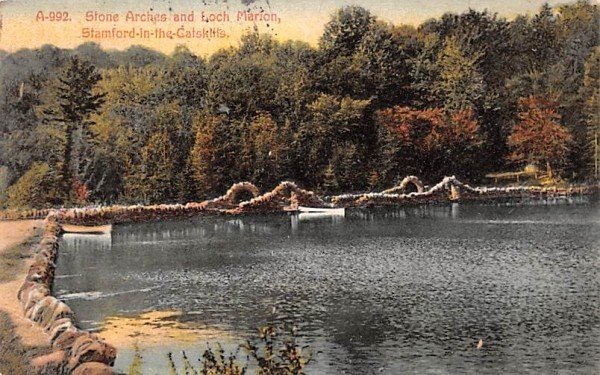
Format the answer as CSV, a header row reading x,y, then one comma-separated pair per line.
x,y
330,184
346,29
122,129
36,188
24,77
430,143
244,82
337,70
483,41
156,183
578,31
539,138
349,167
263,148
75,102
460,85
543,35
373,180
458,142
203,158
185,78
404,131
215,157
591,92
334,122
381,64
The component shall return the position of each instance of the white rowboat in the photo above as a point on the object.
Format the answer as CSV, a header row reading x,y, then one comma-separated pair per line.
x,y
82,229
323,211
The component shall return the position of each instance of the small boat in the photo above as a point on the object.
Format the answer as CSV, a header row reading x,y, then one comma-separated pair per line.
x,y
102,239
323,211
84,229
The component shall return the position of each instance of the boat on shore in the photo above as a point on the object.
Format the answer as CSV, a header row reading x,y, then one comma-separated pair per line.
x,y
322,211
85,229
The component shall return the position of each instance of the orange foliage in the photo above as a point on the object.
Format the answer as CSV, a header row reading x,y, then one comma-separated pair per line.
x,y
538,137
81,190
457,128
431,129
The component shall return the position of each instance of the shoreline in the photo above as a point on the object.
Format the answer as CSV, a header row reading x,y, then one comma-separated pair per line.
x,y
287,197
27,336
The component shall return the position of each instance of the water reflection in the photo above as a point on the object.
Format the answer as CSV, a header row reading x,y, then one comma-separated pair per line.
x,y
455,210
100,241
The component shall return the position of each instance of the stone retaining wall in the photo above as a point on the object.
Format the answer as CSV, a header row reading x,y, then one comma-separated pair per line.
x,y
286,194
451,189
23,214
74,351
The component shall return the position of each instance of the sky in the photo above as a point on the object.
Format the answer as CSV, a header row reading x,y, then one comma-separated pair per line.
x,y
32,23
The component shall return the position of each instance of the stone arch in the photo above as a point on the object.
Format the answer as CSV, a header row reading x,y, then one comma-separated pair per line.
x,y
284,190
285,194
234,194
409,180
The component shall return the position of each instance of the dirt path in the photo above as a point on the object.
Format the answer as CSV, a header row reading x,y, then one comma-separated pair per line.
x,y
13,233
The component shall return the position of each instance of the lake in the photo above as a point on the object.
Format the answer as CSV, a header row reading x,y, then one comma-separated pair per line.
x,y
386,291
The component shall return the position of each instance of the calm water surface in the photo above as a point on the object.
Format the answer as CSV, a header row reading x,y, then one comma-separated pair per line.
x,y
406,291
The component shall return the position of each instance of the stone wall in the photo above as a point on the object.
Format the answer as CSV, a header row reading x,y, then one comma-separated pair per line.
x,y
287,195
451,189
74,351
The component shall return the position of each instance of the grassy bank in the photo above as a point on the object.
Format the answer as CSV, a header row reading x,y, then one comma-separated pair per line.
x,y
14,357
12,260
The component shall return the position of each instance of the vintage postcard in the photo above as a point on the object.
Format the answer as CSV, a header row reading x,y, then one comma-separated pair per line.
x,y
299,187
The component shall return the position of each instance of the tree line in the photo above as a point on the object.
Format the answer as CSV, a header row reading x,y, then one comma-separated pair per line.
x,y
465,95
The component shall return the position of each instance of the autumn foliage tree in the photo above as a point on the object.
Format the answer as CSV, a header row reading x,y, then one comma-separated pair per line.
x,y
539,138
203,156
262,149
430,142
215,157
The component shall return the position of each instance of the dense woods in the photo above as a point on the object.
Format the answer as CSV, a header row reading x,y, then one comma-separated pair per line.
x,y
464,95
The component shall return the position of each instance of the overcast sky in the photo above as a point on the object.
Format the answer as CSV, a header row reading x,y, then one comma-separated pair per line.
x,y
301,20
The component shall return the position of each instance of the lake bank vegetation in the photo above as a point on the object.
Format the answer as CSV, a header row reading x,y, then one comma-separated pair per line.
x,y
463,95
272,352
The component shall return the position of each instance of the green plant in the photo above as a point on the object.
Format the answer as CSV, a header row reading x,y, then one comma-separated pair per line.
x,y
136,364
276,355
273,354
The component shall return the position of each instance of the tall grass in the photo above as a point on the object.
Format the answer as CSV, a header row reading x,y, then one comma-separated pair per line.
x,y
272,353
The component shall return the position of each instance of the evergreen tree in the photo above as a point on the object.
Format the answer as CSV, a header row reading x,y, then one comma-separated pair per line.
x,y
330,183
75,102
